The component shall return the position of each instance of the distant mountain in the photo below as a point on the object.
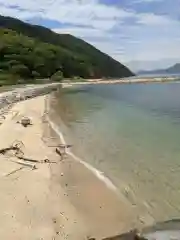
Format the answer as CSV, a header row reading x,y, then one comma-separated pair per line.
x,y
37,51
175,69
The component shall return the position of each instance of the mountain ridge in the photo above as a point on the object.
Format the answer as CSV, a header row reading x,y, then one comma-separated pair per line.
x,y
92,62
175,69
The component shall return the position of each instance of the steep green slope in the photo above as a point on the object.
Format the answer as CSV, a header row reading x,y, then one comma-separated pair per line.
x,y
28,58
73,56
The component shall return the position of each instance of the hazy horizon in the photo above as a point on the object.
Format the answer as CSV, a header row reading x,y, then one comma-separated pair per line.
x,y
137,66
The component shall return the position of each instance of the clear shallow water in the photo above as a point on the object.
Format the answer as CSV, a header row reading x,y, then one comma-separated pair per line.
x,y
132,134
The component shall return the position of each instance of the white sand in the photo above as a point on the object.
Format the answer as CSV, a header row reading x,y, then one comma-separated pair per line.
x,y
31,205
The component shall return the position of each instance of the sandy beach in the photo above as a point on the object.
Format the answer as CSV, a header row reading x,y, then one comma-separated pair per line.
x,y
52,199
136,80
30,209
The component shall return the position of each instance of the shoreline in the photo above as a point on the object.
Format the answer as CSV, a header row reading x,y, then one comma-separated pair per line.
x,y
64,199
124,81
100,175
135,219
104,213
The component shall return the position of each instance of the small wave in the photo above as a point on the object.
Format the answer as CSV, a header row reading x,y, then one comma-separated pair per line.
x,y
100,175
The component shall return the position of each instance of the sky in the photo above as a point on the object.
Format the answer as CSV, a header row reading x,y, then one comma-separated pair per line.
x,y
142,34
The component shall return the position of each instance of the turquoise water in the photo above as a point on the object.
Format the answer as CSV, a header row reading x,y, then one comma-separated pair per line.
x,y
132,134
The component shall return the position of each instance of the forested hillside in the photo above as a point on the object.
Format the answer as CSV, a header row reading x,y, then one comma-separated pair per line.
x,y
32,51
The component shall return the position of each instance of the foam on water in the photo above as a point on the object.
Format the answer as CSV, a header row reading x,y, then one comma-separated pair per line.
x,y
100,175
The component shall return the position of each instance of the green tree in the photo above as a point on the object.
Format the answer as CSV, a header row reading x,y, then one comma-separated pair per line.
x,y
35,74
20,70
34,52
57,77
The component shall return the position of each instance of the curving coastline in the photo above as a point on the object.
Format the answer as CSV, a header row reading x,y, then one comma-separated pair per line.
x,y
30,91
58,199
123,81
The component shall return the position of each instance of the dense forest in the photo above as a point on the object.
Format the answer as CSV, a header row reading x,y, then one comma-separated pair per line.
x,y
30,52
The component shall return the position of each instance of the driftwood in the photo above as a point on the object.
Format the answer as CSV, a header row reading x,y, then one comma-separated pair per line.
x,y
36,161
64,146
4,150
33,167
58,151
14,171
16,146
61,150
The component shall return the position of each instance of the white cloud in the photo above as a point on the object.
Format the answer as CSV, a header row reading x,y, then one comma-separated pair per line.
x,y
153,19
91,14
150,37
147,1
83,12
5,11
